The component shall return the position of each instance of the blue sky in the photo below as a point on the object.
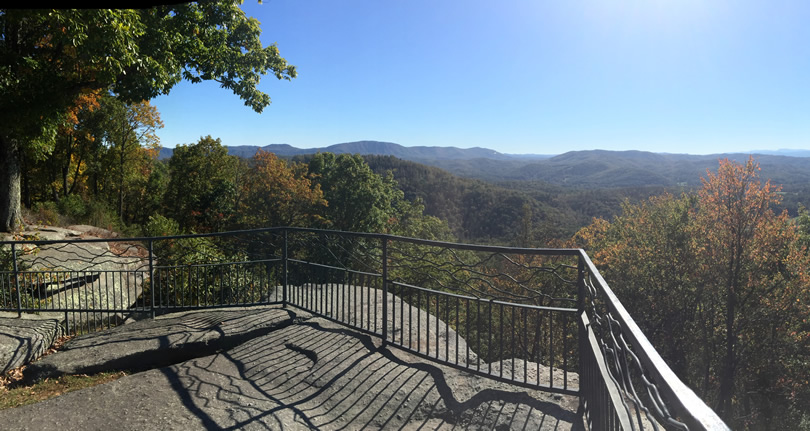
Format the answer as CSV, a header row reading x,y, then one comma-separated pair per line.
x,y
521,76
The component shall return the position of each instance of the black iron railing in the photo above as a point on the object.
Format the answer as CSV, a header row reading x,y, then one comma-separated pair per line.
x,y
539,318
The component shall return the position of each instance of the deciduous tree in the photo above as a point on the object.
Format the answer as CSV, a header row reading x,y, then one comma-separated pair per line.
x,y
50,57
718,282
201,194
358,199
132,140
277,194
744,249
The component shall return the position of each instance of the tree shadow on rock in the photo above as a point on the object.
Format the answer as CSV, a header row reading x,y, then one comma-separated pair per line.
x,y
314,376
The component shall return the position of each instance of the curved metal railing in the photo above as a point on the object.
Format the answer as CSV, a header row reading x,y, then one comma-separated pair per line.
x,y
629,386
540,318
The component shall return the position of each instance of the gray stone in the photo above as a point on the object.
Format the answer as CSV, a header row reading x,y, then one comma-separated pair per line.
x,y
93,231
313,374
154,343
97,275
42,233
23,340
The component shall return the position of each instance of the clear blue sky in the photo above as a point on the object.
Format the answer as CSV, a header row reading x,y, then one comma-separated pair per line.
x,y
521,76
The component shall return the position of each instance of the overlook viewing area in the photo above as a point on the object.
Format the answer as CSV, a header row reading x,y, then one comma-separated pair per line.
x,y
293,328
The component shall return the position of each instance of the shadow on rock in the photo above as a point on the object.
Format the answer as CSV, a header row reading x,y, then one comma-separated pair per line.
x,y
319,375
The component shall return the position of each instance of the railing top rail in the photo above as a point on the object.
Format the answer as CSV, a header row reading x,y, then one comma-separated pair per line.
x,y
460,246
490,300
140,238
692,410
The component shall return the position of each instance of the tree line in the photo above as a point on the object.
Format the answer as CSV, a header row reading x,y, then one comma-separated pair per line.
x,y
94,176
57,62
718,281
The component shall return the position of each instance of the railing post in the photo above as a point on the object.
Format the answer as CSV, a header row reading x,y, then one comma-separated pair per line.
x,y
284,261
152,276
581,289
385,290
582,331
16,277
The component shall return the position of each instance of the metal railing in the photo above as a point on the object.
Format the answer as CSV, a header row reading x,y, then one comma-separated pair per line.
x,y
539,318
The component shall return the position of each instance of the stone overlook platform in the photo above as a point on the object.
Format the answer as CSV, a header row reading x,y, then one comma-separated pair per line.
x,y
274,368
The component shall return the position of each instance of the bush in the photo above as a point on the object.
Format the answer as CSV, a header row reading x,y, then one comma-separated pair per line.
x,y
159,225
73,207
100,214
46,213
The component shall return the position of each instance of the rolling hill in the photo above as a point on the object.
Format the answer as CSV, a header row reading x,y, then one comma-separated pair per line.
x,y
486,195
579,169
609,169
378,149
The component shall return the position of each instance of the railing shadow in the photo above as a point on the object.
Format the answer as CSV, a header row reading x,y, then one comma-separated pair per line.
x,y
151,344
315,375
25,340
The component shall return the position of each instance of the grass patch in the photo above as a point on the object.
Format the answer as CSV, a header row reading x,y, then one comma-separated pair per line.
x,y
11,397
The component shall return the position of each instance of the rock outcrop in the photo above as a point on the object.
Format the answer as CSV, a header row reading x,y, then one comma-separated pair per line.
x,y
92,275
309,374
25,339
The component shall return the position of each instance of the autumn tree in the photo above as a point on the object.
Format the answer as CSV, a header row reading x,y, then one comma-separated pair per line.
x,y
648,252
275,193
51,57
76,139
746,250
719,285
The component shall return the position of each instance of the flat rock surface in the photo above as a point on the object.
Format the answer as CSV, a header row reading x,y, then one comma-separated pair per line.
x,y
310,373
24,339
165,340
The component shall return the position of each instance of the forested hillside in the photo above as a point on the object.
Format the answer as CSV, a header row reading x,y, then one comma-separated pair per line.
x,y
718,281
202,188
116,181
597,169
576,186
477,211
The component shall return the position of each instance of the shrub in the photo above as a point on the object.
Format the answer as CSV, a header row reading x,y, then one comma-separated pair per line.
x,y
73,207
159,225
100,214
46,213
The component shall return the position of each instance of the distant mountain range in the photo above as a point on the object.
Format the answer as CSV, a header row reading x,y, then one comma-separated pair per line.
x,y
581,169
785,152
599,168
378,149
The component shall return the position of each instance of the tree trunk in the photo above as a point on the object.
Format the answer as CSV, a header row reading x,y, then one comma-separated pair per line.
x,y
10,215
728,372
121,186
66,165
26,182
